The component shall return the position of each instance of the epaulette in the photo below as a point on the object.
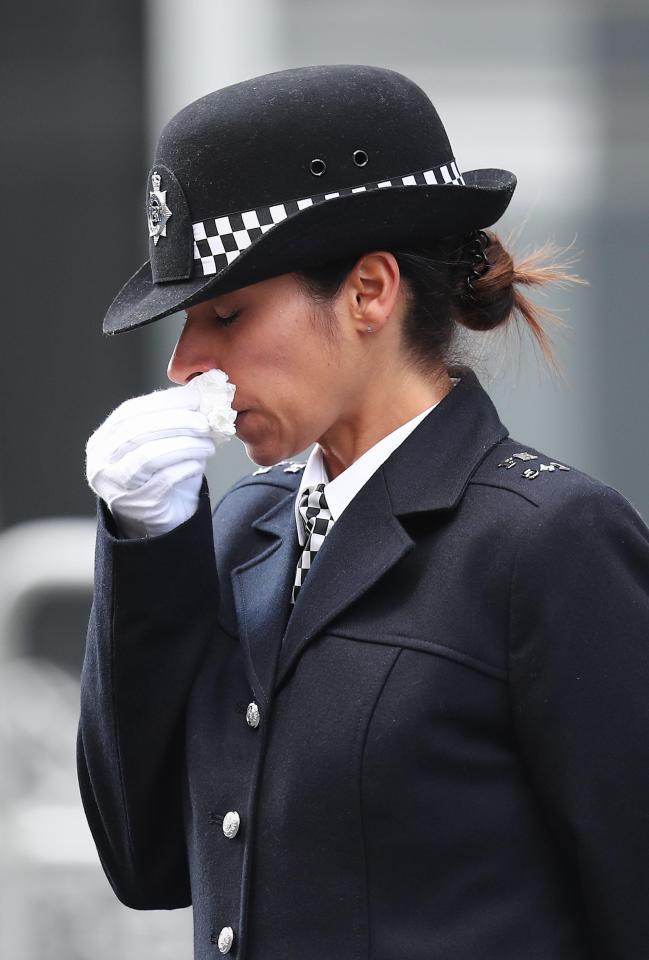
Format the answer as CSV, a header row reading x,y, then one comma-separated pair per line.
x,y
282,474
294,466
529,472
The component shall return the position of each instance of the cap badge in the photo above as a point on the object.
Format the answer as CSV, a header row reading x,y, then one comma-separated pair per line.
x,y
157,210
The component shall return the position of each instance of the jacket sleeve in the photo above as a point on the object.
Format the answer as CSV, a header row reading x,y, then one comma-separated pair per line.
x,y
154,609
579,675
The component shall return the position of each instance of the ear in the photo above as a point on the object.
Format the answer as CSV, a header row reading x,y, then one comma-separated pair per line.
x,y
372,288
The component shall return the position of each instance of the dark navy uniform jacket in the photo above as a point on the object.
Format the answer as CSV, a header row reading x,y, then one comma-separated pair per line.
x,y
451,758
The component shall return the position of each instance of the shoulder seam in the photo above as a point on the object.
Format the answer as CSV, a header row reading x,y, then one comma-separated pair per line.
x,y
250,482
501,486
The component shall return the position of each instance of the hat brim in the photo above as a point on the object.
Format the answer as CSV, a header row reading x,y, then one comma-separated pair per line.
x,y
380,219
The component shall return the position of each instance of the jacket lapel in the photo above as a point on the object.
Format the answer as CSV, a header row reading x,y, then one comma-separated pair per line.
x,y
429,471
262,588
362,545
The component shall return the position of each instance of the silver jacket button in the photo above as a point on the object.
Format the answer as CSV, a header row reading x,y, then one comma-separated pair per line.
x,y
226,939
252,715
231,822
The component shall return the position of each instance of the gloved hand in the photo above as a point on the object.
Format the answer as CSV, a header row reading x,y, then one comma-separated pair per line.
x,y
147,459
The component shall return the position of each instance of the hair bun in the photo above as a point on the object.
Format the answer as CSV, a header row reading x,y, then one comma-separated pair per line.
x,y
494,298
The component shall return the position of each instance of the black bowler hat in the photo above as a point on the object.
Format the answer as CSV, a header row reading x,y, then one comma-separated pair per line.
x,y
292,169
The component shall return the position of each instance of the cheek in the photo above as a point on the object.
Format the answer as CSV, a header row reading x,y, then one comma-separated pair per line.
x,y
266,377
270,359
283,368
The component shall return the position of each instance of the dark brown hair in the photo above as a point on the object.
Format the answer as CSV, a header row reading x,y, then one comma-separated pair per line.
x,y
439,298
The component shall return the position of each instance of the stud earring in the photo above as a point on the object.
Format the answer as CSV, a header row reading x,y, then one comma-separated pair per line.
x,y
369,330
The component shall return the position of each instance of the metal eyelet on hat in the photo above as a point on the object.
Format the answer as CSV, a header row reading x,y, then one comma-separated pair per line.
x,y
360,157
317,166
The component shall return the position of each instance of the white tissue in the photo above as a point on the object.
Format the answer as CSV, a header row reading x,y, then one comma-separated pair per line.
x,y
216,396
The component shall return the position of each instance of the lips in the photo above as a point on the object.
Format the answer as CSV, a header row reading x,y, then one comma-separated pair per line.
x,y
240,421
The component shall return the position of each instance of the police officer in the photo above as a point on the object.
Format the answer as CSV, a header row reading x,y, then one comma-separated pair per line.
x,y
390,702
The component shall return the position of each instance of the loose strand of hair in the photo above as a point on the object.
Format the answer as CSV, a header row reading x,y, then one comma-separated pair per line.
x,y
542,267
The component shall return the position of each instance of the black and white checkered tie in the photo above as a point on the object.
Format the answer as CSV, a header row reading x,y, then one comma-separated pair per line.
x,y
317,523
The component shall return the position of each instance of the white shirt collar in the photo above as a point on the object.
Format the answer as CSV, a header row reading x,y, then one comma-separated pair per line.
x,y
343,488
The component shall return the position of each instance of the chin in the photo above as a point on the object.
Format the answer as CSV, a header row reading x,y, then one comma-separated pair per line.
x,y
264,453
263,461
270,458
262,458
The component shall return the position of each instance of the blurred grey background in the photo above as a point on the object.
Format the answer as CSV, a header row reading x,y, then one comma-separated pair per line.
x,y
555,91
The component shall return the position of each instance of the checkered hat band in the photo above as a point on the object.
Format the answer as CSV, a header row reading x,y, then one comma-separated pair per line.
x,y
219,240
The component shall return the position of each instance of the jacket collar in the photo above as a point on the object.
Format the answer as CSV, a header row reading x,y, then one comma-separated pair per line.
x,y
432,467
428,472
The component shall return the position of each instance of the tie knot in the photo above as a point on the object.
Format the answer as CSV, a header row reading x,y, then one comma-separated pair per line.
x,y
314,509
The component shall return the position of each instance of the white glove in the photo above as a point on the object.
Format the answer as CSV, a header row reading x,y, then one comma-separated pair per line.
x,y
147,459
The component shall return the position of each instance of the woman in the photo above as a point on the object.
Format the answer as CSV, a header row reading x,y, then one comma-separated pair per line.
x,y
435,744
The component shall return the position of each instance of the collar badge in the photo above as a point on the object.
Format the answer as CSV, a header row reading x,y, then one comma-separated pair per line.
x,y
510,462
157,210
552,465
530,473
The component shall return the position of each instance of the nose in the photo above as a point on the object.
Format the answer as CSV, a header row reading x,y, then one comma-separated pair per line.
x,y
193,354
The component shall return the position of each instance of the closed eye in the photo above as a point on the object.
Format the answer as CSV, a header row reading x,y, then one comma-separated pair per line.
x,y
225,321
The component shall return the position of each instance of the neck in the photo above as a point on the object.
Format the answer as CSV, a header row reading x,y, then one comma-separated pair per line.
x,y
381,411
